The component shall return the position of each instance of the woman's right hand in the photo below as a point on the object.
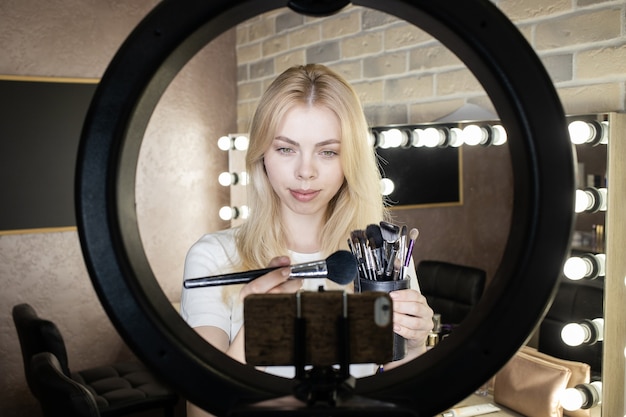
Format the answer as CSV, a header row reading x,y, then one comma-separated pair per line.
x,y
274,282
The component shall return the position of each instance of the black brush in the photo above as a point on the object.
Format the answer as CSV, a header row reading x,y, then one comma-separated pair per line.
x,y
340,267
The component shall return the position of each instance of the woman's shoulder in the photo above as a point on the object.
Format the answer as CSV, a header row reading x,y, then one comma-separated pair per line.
x,y
212,253
223,238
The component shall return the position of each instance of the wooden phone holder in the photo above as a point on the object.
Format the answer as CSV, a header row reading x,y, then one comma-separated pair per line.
x,y
320,329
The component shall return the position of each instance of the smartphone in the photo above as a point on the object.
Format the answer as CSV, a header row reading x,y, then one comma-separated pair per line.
x,y
327,322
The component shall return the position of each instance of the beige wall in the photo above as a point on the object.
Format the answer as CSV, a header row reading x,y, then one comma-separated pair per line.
x,y
403,75
177,196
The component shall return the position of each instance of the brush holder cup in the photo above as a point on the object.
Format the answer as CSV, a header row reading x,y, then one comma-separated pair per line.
x,y
364,285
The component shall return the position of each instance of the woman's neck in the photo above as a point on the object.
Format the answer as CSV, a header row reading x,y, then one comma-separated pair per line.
x,y
303,234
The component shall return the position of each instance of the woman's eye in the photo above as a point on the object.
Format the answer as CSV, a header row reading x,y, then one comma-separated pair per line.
x,y
284,150
329,153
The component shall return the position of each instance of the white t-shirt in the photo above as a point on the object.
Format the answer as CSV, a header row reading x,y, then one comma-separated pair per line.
x,y
215,254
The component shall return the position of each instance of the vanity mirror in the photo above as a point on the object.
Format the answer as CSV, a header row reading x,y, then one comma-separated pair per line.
x,y
522,286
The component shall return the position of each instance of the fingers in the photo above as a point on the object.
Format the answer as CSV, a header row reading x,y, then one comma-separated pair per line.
x,y
276,281
412,317
279,261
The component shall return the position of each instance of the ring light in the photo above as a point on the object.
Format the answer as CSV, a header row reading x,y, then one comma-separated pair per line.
x,y
517,298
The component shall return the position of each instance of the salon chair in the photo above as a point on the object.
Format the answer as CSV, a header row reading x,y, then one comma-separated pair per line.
x,y
60,395
574,301
451,290
117,389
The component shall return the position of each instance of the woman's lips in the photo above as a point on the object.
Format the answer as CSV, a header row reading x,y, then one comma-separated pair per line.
x,y
304,195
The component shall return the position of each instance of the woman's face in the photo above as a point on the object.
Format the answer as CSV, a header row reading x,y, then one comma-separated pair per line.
x,y
303,163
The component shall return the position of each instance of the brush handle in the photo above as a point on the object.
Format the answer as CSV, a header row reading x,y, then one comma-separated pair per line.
x,y
228,279
409,252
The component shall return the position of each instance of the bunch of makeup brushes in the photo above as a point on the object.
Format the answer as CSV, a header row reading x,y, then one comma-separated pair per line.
x,y
383,251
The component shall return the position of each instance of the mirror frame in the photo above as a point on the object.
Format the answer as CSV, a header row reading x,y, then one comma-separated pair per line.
x,y
522,288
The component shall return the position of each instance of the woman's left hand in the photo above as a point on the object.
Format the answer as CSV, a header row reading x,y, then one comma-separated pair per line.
x,y
412,319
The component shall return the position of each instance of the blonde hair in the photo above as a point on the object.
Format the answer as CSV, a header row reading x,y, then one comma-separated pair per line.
x,y
357,203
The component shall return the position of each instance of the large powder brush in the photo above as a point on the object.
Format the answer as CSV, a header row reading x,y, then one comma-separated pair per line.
x,y
340,267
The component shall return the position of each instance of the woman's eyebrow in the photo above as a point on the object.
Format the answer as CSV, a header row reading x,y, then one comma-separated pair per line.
x,y
322,143
286,139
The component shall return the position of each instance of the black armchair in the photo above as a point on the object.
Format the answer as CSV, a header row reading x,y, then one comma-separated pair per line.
x,y
58,394
451,290
117,389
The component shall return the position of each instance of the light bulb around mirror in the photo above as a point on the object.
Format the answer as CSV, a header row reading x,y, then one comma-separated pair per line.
x,y
499,135
589,266
372,138
584,201
244,178
228,213
417,138
393,138
584,332
474,135
456,137
386,186
241,143
582,396
572,399
590,200
580,132
226,179
225,143
433,137
605,133
576,268
573,334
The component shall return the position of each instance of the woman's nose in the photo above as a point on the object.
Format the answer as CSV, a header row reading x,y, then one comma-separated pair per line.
x,y
306,169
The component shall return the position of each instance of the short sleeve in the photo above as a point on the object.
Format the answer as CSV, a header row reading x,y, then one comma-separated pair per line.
x,y
212,254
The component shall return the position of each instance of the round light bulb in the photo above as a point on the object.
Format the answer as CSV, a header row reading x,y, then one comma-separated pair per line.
x,y
456,137
572,399
584,200
601,261
499,135
241,143
245,212
433,137
417,138
386,186
226,213
226,179
599,325
474,135
580,132
576,268
603,192
244,178
605,133
224,143
586,331
574,334
371,138
392,138
582,396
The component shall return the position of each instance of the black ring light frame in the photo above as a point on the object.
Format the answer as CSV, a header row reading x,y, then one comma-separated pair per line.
x,y
521,290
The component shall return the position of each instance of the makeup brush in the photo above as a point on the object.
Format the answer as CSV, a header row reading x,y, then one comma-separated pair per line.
x,y
375,240
409,252
391,234
340,267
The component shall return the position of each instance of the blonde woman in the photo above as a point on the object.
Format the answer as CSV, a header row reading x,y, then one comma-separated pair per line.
x,y
313,179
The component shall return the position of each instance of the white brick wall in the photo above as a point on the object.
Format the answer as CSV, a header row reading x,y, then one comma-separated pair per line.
x,y
404,75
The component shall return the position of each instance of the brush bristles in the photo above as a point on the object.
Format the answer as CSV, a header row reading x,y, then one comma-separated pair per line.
x,y
342,267
413,234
